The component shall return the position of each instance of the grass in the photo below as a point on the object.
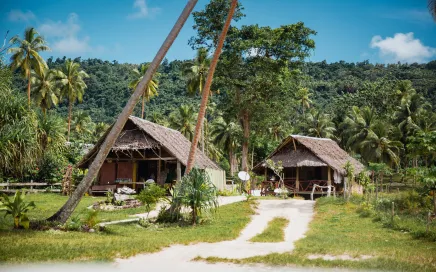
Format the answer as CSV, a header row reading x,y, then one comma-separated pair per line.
x,y
22,246
47,204
337,229
274,232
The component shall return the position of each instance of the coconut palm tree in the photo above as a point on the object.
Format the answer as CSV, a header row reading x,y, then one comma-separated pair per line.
x,y
196,71
26,57
408,114
319,125
183,120
68,208
405,91
45,89
150,89
99,130
357,125
81,123
227,135
72,86
208,83
377,147
303,98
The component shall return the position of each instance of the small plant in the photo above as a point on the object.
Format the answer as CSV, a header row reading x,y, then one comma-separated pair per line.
x,y
74,223
109,197
365,209
91,219
150,196
17,208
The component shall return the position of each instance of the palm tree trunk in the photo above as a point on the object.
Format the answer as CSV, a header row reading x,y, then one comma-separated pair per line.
x,y
202,137
206,89
232,166
70,110
246,127
67,209
143,102
28,88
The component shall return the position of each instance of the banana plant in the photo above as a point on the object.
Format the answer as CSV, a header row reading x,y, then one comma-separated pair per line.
x,y
17,208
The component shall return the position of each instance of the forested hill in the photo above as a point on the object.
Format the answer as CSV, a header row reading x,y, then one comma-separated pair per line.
x,y
108,90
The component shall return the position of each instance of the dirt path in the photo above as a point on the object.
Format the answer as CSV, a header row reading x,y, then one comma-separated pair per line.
x,y
179,257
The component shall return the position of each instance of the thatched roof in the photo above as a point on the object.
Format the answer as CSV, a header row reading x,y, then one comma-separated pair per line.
x,y
316,152
148,135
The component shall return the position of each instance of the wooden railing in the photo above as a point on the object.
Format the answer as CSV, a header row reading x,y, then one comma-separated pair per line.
x,y
31,186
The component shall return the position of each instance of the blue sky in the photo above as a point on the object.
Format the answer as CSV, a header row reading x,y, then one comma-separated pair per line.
x,y
382,31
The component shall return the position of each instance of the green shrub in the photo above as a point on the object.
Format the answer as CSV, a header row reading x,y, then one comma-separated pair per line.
x,y
365,209
17,208
150,196
91,219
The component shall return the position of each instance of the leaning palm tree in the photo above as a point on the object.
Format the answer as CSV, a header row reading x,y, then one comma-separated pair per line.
x,y
72,86
319,125
45,89
303,98
432,8
26,57
227,135
377,147
67,209
183,120
208,83
151,88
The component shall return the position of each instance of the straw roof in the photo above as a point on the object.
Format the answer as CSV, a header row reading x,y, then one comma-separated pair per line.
x,y
316,152
148,135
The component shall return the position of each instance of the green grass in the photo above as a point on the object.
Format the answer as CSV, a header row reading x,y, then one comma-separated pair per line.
x,y
19,246
337,229
47,204
274,232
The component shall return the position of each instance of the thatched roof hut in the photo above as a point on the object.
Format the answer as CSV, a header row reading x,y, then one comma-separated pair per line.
x,y
303,151
144,150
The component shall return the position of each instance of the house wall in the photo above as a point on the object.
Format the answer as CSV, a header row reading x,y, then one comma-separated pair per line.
x,y
125,170
107,173
218,177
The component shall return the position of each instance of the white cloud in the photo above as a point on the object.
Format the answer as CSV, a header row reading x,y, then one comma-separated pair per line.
x,y
20,16
402,47
65,36
143,11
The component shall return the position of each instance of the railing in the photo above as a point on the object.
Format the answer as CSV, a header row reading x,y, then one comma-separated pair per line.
x,y
30,186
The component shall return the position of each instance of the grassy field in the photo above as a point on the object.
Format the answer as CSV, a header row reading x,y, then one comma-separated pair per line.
x,y
273,233
117,240
337,229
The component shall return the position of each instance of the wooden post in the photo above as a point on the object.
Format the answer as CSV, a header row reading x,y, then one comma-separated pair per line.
x,y
31,186
266,175
134,174
158,167
329,179
179,171
297,180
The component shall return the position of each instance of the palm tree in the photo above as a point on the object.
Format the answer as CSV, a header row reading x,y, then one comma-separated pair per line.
x,y
408,114
45,89
51,132
405,91
319,125
357,125
377,147
73,86
227,135
25,57
183,120
81,123
206,89
68,208
99,130
151,88
197,71
303,98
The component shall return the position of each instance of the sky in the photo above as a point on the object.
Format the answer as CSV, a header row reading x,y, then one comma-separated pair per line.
x,y
381,31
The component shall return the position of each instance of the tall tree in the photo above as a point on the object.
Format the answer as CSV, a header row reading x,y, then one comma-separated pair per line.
x,y
151,88
67,209
45,89
206,90
303,98
227,135
73,86
183,120
357,125
319,124
26,57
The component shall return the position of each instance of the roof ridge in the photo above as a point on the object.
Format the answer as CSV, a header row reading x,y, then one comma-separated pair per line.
x,y
309,137
146,121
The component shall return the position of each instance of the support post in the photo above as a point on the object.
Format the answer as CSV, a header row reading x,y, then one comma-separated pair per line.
x,y
179,171
158,167
297,180
329,179
135,171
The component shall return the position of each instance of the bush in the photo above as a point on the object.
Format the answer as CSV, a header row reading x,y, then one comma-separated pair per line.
x,y
365,209
17,208
52,168
150,196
